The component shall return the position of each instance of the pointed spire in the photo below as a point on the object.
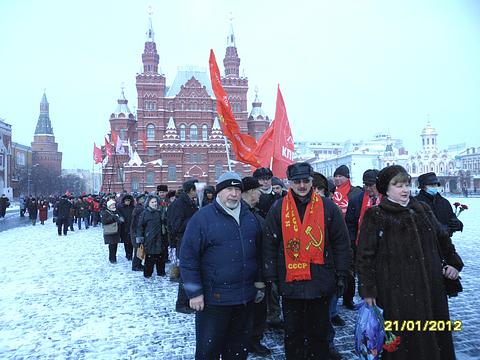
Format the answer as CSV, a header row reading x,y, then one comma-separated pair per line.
x,y
44,125
216,124
231,61
257,112
171,124
122,107
150,33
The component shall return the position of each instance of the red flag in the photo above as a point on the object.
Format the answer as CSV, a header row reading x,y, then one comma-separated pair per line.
x,y
243,145
108,148
282,139
114,138
275,147
97,154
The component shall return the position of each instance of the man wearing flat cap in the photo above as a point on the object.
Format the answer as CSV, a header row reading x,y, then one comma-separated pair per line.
x,y
178,215
306,251
429,186
219,263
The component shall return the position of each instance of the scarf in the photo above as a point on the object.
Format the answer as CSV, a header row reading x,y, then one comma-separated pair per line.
x,y
367,203
340,197
303,242
235,213
268,191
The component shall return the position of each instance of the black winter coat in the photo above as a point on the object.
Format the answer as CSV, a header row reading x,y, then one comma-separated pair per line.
x,y
127,213
323,277
442,209
62,209
265,203
109,217
179,212
399,264
352,215
137,211
149,229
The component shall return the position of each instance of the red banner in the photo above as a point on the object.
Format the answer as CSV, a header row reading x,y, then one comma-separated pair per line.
x,y
108,148
97,154
114,138
243,145
275,147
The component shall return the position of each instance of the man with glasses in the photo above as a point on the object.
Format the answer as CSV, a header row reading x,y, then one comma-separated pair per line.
x,y
306,251
357,206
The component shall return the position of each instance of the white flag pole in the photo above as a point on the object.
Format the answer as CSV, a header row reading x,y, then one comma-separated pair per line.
x,y
228,153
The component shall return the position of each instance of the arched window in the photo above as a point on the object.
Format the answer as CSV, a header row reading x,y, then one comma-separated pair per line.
x,y
218,170
172,172
150,132
204,133
134,184
182,132
150,178
193,132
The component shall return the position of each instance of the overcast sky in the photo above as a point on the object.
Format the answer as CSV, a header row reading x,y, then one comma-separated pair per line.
x,y
347,69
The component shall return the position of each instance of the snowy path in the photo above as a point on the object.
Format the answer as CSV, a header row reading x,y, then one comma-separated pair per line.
x,y
62,299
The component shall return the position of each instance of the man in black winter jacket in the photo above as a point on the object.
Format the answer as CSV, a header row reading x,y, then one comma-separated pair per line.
x,y
429,193
125,210
61,212
178,215
137,211
308,256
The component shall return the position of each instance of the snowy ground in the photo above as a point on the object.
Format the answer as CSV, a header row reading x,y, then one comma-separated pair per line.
x,y
61,299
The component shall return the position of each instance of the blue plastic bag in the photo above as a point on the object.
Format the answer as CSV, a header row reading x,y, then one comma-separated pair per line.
x,y
369,332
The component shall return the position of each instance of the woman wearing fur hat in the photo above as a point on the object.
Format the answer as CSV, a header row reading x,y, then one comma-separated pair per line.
x,y
110,221
399,265
149,233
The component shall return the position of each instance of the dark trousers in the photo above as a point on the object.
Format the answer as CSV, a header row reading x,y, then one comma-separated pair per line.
x,y
127,244
150,262
349,291
306,328
62,223
259,320
182,298
273,303
223,330
112,252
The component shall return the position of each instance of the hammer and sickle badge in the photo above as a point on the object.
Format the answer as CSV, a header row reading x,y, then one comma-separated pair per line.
x,y
293,247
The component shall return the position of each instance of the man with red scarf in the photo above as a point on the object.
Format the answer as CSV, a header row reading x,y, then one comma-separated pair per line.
x,y
356,209
306,252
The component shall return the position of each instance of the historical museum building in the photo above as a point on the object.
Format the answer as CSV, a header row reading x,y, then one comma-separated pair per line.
x,y
175,134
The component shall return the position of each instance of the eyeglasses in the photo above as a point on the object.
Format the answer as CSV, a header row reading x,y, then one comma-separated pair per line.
x,y
302,181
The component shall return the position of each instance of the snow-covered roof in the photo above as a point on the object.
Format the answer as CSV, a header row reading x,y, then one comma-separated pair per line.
x,y
185,74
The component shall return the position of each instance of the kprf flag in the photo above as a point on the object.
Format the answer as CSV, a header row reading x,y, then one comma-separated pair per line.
x,y
97,154
114,138
275,147
108,147
243,145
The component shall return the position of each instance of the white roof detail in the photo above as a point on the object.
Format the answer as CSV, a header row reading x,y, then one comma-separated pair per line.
x,y
216,124
171,124
184,75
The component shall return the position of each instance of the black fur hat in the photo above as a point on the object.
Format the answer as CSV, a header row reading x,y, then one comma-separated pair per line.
x,y
387,174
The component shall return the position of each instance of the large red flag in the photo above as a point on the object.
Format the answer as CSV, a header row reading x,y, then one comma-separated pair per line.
x,y
275,147
282,139
97,154
243,145
144,140
108,148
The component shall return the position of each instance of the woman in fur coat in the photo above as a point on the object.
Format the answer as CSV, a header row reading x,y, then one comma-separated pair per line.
x,y
399,265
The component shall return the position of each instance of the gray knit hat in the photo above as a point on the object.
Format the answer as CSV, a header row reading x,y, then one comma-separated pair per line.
x,y
229,179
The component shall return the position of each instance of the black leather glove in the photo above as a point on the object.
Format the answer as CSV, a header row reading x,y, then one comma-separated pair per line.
x,y
455,225
340,286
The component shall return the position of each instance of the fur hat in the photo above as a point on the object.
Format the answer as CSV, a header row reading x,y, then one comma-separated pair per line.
x,y
249,183
387,174
320,181
298,171
370,176
110,203
162,188
343,171
263,172
429,178
229,179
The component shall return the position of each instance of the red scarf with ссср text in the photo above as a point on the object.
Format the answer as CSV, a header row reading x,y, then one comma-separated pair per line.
x,y
367,203
340,196
303,241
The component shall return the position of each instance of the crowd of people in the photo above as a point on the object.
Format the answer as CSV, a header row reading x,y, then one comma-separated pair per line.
x,y
257,252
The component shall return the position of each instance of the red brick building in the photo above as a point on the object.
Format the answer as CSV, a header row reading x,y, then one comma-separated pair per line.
x,y
45,154
175,131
